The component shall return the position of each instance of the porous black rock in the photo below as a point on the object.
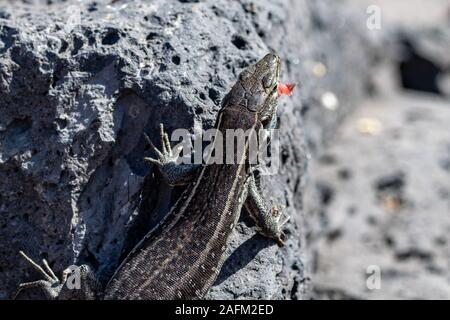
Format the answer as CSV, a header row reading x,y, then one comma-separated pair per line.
x,y
81,81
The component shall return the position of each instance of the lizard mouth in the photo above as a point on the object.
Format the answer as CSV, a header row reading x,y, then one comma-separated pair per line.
x,y
279,90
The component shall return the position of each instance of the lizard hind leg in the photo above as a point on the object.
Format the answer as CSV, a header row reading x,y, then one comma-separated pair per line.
x,y
174,171
50,284
278,223
77,282
269,221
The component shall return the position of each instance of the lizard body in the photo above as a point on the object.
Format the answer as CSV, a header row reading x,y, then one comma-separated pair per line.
x,y
192,240
182,257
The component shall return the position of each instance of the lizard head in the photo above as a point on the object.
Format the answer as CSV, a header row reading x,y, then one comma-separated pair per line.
x,y
260,83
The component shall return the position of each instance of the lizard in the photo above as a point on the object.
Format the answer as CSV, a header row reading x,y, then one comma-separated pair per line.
x,y
181,257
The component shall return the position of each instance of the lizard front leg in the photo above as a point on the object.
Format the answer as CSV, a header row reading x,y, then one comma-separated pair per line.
x,y
268,220
167,161
77,282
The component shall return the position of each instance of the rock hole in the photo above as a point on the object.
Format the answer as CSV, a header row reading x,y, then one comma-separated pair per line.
x,y
333,235
413,253
64,46
111,37
394,182
167,46
351,210
61,123
389,241
371,220
418,72
326,193
440,241
18,135
152,36
294,290
284,156
214,95
344,174
176,59
77,44
239,42
92,7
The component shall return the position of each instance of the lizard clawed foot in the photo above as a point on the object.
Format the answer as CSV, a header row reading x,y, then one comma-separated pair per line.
x,y
173,170
167,155
278,213
50,284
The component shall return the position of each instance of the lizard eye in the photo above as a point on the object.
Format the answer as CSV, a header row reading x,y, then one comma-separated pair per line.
x,y
267,81
247,73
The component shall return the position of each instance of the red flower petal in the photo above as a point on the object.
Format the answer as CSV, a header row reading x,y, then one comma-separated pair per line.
x,y
285,88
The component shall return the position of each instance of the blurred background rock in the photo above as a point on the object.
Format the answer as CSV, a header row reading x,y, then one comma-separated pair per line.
x,y
379,194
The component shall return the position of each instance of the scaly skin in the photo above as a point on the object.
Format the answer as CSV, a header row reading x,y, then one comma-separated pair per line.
x,y
182,256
